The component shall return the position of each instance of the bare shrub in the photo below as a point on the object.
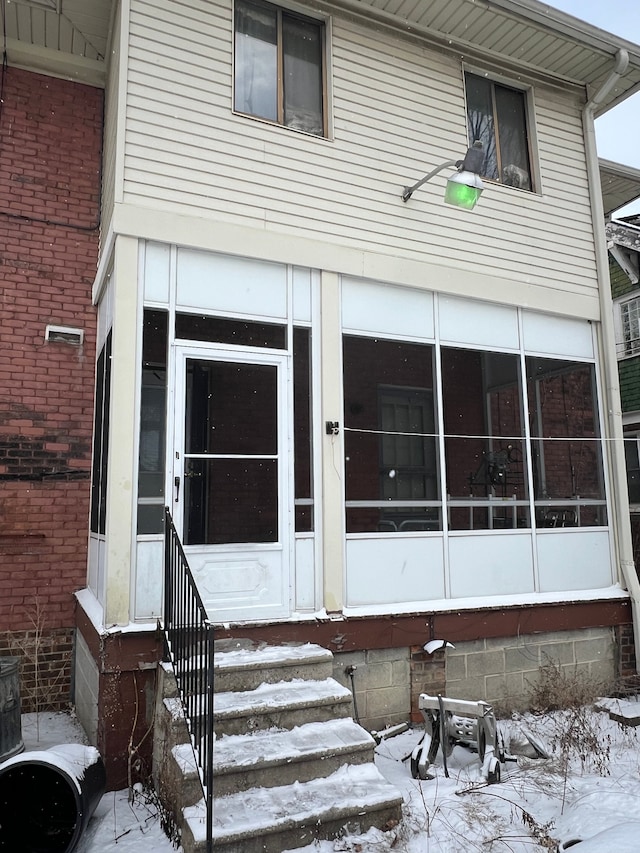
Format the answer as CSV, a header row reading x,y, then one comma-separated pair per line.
x,y
576,734
558,688
45,663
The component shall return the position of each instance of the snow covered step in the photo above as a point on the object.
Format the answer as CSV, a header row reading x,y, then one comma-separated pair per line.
x,y
241,665
279,756
270,820
282,706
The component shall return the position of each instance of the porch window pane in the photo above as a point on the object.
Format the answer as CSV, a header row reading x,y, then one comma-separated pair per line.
x,y
231,501
391,461
153,402
566,446
303,446
221,330
231,408
101,440
485,454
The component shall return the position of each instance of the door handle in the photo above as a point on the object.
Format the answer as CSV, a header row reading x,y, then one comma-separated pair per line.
x,y
176,483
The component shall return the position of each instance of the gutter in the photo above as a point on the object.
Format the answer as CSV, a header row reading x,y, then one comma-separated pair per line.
x,y
615,446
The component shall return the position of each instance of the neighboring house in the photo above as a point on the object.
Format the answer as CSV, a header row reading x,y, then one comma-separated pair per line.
x,y
375,422
623,241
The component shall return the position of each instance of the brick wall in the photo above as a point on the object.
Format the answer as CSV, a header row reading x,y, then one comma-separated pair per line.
x,y
45,666
50,149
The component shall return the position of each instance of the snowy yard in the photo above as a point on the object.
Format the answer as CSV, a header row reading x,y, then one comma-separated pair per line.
x,y
591,783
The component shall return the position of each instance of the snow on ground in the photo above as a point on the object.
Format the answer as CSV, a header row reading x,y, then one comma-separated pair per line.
x,y
117,826
589,787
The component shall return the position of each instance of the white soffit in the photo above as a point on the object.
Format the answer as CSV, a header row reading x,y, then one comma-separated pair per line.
x,y
524,35
620,185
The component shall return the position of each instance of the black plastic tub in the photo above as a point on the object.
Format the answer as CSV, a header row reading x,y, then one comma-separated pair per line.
x,y
48,797
10,728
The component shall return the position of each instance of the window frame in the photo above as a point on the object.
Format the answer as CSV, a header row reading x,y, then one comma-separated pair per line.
x,y
529,121
631,348
323,24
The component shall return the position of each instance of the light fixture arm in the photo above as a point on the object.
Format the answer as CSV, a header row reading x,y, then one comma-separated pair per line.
x,y
409,191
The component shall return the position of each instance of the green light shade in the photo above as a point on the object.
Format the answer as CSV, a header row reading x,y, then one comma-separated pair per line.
x,y
463,190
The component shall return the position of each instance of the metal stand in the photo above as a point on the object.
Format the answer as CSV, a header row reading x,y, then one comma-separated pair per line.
x,y
457,722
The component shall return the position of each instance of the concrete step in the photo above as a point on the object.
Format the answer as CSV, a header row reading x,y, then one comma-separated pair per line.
x,y
183,776
282,706
282,756
270,820
244,665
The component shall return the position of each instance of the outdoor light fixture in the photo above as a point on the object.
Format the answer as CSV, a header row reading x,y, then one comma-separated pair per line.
x,y
464,187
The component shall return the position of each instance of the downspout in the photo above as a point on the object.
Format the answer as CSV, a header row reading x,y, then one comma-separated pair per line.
x,y
615,446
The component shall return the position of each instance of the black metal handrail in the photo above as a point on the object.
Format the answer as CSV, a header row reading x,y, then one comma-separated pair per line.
x,y
189,639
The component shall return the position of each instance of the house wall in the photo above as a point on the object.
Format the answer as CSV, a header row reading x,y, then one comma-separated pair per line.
x,y
397,109
629,372
50,134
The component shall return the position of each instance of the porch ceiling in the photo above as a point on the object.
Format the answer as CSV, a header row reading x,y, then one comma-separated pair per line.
x,y
67,38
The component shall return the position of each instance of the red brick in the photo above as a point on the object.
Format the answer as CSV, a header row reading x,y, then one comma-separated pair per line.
x,y
50,143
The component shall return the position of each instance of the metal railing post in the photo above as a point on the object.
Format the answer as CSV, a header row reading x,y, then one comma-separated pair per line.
x,y
209,737
189,640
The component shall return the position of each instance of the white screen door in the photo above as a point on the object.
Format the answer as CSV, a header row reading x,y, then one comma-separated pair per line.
x,y
230,479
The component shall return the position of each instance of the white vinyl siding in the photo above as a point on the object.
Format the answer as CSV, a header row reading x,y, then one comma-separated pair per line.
x,y
397,111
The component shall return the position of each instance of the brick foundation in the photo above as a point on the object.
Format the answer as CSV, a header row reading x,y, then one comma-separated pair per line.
x,y
626,651
428,675
45,666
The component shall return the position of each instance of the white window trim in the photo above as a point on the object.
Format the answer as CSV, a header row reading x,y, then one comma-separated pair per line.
x,y
621,344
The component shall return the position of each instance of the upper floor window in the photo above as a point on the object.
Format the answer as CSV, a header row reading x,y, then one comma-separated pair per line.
x,y
629,343
632,456
279,66
497,116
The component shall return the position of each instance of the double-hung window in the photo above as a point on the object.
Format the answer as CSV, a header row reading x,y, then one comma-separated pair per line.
x,y
279,74
630,326
497,116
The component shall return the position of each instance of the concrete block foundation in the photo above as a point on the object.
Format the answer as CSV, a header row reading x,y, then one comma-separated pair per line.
x,y
502,671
